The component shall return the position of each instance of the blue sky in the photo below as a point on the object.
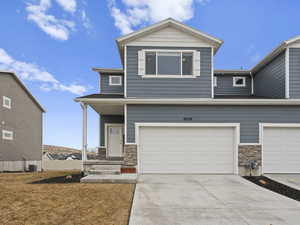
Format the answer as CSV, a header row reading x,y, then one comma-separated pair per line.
x,y
53,44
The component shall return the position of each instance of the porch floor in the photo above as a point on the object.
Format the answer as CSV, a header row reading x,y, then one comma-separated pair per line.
x,y
125,178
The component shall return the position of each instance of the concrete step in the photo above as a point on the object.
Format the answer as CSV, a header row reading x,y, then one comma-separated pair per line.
x,y
104,167
95,172
110,178
103,162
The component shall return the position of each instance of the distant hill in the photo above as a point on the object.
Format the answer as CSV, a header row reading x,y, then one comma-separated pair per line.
x,y
62,153
60,149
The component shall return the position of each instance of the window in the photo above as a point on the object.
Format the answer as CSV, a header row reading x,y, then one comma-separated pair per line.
x,y
6,102
215,81
115,80
239,81
7,135
169,63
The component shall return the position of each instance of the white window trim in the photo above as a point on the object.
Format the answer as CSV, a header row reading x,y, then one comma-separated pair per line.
x,y
112,84
239,85
215,81
5,132
6,99
169,75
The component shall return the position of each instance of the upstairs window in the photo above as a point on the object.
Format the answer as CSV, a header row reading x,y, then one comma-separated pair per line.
x,y
7,135
169,63
115,80
239,81
6,102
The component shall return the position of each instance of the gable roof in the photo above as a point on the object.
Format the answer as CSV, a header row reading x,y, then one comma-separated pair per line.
x,y
121,41
23,87
275,52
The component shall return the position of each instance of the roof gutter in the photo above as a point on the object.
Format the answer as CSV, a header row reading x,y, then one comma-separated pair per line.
x,y
191,101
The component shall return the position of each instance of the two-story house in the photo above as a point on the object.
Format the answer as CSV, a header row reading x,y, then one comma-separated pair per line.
x,y
21,126
169,111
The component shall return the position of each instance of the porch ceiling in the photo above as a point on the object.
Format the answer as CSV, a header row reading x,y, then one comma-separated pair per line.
x,y
108,109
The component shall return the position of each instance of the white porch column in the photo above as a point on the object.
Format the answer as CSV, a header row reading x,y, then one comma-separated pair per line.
x,y
84,132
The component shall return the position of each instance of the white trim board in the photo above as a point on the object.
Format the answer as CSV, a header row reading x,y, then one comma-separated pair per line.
x,y
234,125
287,73
261,134
125,71
212,74
125,123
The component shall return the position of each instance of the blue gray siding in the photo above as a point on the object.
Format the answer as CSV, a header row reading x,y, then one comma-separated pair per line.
x,y
249,117
199,87
225,86
294,72
105,88
108,119
270,80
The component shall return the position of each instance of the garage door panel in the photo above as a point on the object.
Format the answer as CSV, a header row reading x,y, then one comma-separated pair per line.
x,y
281,150
186,150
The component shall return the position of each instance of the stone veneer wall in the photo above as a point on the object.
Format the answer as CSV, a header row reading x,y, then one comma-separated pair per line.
x,y
248,153
101,153
130,155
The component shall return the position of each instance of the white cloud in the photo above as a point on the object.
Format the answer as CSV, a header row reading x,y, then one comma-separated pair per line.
x,y
68,5
138,12
57,28
32,72
85,20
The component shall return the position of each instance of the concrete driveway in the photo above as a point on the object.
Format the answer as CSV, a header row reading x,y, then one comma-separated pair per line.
x,y
209,200
291,180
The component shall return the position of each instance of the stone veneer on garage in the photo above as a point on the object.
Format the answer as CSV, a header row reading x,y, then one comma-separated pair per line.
x,y
130,155
246,154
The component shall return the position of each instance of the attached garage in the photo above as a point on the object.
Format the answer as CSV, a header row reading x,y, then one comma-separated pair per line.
x,y
280,148
187,148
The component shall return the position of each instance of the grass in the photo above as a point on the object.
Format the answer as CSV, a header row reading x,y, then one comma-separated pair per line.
x,y
22,203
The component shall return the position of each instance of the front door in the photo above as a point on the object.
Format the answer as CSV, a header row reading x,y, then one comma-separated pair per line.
x,y
115,140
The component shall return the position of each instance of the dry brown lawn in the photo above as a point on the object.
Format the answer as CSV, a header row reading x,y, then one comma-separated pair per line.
x,y
61,204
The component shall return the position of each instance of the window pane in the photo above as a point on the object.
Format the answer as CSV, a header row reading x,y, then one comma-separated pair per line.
x,y
239,81
150,63
169,63
115,80
187,63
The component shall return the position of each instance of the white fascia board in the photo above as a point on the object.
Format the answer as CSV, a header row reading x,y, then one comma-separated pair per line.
x,y
287,73
192,101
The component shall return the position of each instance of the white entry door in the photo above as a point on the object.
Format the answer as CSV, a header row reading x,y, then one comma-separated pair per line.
x,y
281,150
187,149
115,140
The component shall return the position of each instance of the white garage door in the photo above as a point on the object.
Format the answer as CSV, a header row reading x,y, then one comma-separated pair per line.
x,y
186,149
281,150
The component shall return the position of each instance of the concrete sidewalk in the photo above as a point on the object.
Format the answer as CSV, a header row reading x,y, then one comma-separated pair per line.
x,y
291,180
209,200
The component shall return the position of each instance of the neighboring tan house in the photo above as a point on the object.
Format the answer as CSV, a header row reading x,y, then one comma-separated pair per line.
x,y
21,126
169,111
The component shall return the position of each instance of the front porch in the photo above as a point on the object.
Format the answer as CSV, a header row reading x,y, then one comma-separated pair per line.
x,y
114,158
